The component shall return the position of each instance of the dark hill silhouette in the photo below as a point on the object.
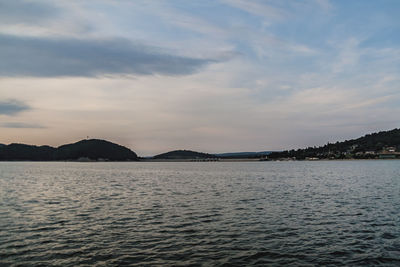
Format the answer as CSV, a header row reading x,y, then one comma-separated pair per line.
x,y
368,146
93,149
184,154
26,152
244,155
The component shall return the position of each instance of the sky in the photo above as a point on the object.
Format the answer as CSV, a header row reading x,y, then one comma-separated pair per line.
x,y
212,76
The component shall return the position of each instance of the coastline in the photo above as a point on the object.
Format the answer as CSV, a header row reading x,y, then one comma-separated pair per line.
x,y
197,160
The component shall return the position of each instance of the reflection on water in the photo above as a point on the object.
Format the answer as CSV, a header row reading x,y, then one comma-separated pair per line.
x,y
207,213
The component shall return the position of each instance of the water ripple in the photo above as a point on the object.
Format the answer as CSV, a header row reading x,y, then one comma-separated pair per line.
x,y
200,214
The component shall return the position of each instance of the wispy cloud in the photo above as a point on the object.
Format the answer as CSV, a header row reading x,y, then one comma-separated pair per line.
x,y
21,125
258,8
42,18
12,107
348,55
229,74
22,11
324,4
44,57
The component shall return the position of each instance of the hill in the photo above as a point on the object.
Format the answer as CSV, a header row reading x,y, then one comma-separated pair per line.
x,y
184,154
26,152
240,155
93,149
375,145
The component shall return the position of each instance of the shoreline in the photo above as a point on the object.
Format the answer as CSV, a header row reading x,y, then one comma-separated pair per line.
x,y
197,160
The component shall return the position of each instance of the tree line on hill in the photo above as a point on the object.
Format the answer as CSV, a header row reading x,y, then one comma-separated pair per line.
x,y
369,146
93,149
184,154
386,143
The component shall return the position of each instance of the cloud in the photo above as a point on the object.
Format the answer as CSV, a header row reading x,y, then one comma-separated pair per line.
x,y
295,73
21,125
12,107
18,11
45,18
326,5
45,57
257,8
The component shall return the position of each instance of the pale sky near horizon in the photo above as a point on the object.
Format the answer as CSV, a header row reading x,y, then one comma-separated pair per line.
x,y
211,76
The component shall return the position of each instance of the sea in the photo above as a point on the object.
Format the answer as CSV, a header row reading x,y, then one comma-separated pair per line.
x,y
299,213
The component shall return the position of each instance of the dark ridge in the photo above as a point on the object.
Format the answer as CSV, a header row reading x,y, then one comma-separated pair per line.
x,y
233,155
384,144
26,152
184,154
93,149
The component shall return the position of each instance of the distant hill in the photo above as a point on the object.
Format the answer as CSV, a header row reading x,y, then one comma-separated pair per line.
x,y
26,152
369,146
93,149
184,154
244,154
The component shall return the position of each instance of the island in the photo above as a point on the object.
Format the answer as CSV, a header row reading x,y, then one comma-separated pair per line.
x,y
84,150
185,155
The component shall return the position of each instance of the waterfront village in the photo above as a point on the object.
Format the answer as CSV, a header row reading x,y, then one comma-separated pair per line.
x,y
353,152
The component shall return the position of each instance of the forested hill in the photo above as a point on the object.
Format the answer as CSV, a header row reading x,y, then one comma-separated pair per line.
x,y
93,149
369,146
243,155
184,154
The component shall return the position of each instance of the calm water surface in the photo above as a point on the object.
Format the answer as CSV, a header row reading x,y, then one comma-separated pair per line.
x,y
202,213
